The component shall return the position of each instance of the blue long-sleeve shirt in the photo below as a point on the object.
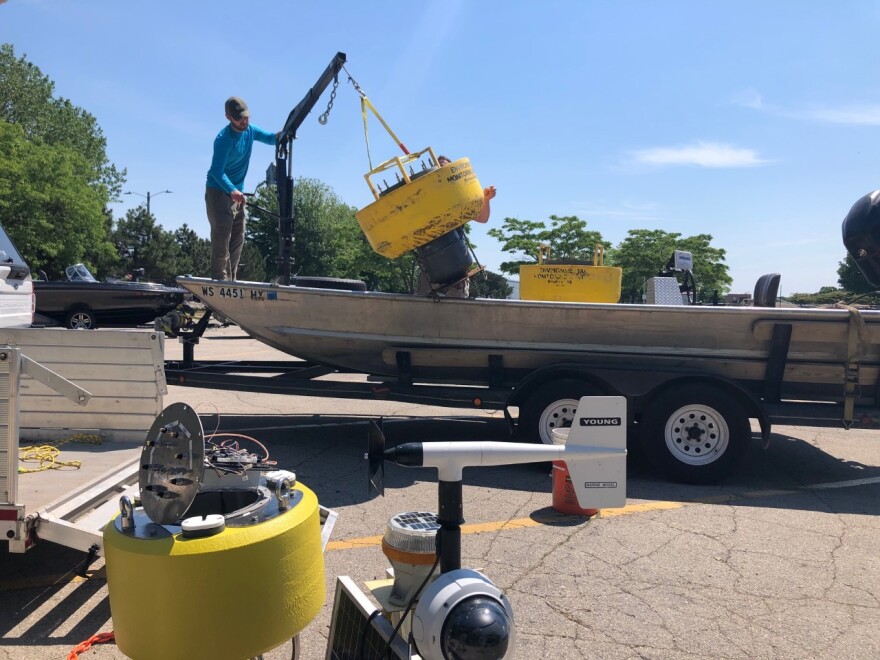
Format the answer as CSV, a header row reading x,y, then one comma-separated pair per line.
x,y
232,155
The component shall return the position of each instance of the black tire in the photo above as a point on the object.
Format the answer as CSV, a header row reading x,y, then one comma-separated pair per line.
x,y
329,283
81,319
552,406
695,433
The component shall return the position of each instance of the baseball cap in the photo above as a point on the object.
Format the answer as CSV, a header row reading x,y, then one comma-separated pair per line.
x,y
237,108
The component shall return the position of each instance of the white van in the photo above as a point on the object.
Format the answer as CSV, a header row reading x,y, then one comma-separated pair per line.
x,y
17,300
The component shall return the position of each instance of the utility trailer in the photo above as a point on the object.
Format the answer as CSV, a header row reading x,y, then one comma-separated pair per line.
x,y
46,375
693,376
692,420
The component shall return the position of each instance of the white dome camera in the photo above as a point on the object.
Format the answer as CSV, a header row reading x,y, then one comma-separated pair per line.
x,y
462,615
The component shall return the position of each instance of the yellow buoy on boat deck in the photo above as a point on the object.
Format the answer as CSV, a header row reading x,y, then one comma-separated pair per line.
x,y
561,282
423,203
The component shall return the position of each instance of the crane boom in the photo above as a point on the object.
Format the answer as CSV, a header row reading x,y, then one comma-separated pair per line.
x,y
283,150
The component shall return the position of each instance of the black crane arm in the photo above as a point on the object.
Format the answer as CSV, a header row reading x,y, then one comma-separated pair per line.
x,y
283,166
302,109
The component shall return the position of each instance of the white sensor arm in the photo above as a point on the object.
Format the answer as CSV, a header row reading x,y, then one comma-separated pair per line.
x,y
595,453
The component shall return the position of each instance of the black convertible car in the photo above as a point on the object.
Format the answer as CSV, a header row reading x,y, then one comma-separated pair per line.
x,y
82,302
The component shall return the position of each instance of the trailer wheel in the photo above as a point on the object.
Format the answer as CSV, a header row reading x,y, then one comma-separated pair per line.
x,y
695,433
551,407
81,319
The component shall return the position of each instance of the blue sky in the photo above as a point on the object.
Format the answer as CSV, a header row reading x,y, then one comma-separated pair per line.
x,y
755,122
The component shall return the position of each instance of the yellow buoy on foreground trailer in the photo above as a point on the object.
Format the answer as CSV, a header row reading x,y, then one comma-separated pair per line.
x,y
212,566
423,203
562,282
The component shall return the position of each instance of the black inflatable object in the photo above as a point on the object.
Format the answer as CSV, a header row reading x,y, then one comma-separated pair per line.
x,y
329,283
861,235
446,260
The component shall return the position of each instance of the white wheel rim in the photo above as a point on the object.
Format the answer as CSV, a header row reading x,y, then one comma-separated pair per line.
x,y
558,415
697,434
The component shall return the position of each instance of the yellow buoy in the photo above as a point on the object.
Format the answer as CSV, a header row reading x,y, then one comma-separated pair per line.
x,y
421,205
233,595
570,282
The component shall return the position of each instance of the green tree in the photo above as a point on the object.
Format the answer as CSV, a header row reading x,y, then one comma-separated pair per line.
x,y
27,100
492,286
320,247
48,208
521,239
570,241
710,271
826,296
328,240
568,238
645,251
141,243
851,278
104,256
251,266
55,178
195,253
357,260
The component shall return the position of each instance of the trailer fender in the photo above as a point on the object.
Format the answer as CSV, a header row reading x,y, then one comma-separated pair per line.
x,y
547,398
540,377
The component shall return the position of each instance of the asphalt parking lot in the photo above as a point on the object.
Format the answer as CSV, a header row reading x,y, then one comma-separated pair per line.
x,y
778,562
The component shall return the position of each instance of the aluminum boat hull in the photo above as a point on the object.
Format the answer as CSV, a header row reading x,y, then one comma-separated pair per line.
x,y
457,340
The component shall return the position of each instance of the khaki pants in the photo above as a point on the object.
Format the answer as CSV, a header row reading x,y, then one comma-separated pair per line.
x,y
227,233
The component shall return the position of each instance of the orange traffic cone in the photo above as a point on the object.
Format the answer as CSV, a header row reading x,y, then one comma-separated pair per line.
x,y
564,497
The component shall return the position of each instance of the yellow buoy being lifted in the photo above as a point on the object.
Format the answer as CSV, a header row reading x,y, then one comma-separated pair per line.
x,y
219,563
425,202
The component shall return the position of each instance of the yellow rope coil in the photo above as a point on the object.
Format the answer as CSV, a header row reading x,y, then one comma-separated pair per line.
x,y
46,456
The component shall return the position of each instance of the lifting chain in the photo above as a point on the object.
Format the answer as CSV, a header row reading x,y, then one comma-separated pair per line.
x,y
357,87
324,115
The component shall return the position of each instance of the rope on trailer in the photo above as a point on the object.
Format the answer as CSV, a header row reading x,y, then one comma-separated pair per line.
x,y
46,456
100,638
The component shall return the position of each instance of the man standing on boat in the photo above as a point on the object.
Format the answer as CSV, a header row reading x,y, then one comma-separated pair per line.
x,y
224,198
456,240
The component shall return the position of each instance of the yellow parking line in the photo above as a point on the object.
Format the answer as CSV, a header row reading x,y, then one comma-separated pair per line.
x,y
516,523
628,510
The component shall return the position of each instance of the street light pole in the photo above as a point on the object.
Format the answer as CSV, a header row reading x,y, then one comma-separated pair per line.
x,y
147,196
